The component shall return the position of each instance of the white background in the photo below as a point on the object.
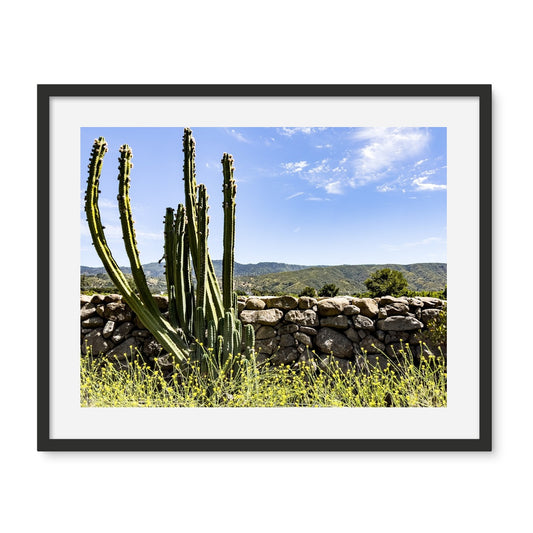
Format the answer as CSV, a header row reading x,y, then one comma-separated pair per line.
x,y
274,42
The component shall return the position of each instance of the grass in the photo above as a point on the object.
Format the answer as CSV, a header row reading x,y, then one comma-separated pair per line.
x,y
245,383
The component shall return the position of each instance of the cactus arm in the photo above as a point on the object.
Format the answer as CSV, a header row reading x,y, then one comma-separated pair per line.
x,y
248,339
170,267
229,190
171,342
201,261
213,294
128,231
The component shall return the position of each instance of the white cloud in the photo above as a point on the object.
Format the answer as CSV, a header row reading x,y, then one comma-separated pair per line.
x,y
334,187
317,199
324,146
295,195
385,150
289,132
384,188
296,166
421,185
237,135
418,163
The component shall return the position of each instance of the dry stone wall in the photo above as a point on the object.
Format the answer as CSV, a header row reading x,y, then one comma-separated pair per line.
x,y
288,330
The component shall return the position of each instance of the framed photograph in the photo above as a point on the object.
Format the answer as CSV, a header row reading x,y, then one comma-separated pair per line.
x,y
276,268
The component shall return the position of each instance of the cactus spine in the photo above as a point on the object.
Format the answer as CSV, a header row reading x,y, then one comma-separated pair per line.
x,y
205,318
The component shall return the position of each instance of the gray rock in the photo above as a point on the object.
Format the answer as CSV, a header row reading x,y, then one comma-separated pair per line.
x,y
87,311
332,342
140,333
303,338
397,336
396,309
122,331
306,302
282,302
98,299
112,298
352,335
123,351
240,305
100,310
96,343
161,301
362,333
363,322
266,346
380,335
93,322
431,303
287,340
265,332
332,306
391,300
85,299
351,310
288,328
399,323
327,362
255,304
368,306
337,322
108,329
266,317
382,313
372,345
308,331
302,318
429,314
365,363
118,312
285,356
151,348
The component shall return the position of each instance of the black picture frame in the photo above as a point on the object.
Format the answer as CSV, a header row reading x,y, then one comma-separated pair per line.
x,y
45,95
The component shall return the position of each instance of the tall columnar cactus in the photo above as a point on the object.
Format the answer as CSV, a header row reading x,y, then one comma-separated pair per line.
x,y
199,322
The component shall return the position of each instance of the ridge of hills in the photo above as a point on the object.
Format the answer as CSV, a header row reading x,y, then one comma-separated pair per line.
x,y
283,278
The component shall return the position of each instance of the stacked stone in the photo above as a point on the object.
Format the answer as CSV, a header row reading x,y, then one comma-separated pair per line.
x,y
288,330
343,329
110,329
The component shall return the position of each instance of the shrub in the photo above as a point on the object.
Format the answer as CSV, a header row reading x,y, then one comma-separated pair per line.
x,y
386,282
308,291
329,289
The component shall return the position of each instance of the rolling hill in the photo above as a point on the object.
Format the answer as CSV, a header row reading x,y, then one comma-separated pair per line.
x,y
273,278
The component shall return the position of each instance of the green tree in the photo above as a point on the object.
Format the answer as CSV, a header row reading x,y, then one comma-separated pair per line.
x,y
329,289
386,282
308,291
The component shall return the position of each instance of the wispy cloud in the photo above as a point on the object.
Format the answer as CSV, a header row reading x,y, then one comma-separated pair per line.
x,y
317,199
295,166
237,135
289,132
320,146
385,149
295,195
334,187
420,182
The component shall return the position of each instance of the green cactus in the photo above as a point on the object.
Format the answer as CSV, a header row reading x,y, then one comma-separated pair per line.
x,y
197,319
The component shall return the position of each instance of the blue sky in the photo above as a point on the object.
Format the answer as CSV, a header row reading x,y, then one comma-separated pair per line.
x,y
307,196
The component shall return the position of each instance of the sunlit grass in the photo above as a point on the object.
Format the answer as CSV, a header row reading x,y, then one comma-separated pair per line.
x,y
245,383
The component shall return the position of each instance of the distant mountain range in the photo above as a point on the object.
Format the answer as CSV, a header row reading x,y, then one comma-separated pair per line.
x,y
270,277
158,269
